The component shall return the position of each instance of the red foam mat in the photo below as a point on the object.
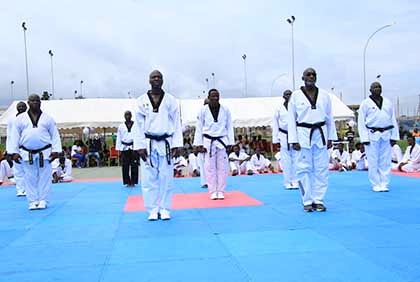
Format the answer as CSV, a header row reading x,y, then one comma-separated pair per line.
x,y
411,174
197,201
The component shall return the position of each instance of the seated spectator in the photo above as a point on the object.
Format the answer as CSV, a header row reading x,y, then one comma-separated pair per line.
x,y
277,157
194,162
396,155
95,147
411,159
358,158
341,159
259,164
77,153
179,164
416,135
6,171
331,163
238,162
61,170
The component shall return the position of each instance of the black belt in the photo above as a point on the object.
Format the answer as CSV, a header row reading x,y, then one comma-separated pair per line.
x,y
215,138
160,138
37,151
395,162
127,143
287,137
313,127
380,129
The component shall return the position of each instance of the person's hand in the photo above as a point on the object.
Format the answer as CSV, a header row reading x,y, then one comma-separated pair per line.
x,y
174,151
201,149
143,154
17,158
296,146
329,143
366,143
53,156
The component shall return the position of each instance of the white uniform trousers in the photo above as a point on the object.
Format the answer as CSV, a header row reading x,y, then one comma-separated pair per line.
x,y
37,180
19,177
200,160
378,154
410,167
312,172
216,169
156,182
288,161
241,168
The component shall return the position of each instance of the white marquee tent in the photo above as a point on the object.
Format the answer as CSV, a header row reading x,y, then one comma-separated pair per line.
x,y
109,113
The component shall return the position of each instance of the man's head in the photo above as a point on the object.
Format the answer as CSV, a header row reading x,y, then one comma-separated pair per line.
x,y
156,79
21,107
309,77
340,147
213,97
34,102
376,88
410,141
236,149
258,150
127,116
286,94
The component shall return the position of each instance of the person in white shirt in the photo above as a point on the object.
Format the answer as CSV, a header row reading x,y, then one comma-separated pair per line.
x,y
358,158
213,136
259,164
411,159
18,172
77,152
180,163
377,126
61,169
341,158
396,155
287,153
157,136
129,157
6,169
239,162
311,126
35,141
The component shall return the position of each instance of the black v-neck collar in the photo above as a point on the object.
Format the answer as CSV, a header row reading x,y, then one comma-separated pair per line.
x,y
377,103
313,102
215,113
156,106
286,103
412,148
129,126
35,122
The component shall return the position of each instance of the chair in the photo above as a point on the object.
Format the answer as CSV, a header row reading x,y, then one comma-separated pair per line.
x,y
114,155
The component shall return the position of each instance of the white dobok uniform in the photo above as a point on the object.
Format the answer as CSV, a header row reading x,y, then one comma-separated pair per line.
x,y
180,162
343,158
157,170
359,159
64,172
6,172
197,163
378,126
17,168
311,126
243,167
257,163
412,157
41,139
287,153
214,135
396,156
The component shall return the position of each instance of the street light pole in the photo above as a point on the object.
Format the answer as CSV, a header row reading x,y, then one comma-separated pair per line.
x,y
26,58
291,21
245,77
274,80
52,73
11,89
81,92
364,55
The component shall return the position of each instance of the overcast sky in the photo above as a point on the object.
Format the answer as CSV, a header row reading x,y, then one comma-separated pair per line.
x,y
113,45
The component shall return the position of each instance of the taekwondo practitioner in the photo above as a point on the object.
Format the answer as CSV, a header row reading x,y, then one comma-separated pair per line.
x,y
239,162
179,164
377,126
396,155
259,164
311,125
287,153
411,159
157,135
6,169
213,136
35,142
17,168
358,158
129,157
341,159
61,169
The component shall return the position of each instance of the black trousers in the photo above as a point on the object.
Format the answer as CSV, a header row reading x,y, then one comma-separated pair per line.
x,y
130,160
